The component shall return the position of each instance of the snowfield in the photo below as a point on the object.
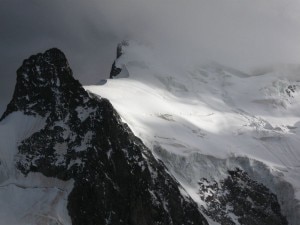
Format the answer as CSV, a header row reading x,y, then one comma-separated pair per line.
x,y
31,199
202,120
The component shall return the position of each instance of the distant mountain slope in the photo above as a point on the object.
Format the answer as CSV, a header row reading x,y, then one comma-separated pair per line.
x,y
220,131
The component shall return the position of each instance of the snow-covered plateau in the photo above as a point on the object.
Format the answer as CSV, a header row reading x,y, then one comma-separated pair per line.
x,y
205,120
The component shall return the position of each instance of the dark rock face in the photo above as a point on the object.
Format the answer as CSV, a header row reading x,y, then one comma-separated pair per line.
x,y
117,179
44,84
290,90
115,71
240,199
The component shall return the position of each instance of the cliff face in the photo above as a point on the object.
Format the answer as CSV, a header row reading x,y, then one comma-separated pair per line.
x,y
116,178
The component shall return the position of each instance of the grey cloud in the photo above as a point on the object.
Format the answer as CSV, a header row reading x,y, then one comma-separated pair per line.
x,y
242,34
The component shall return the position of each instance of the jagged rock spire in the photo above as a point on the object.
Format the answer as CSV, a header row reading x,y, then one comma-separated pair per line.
x,y
44,82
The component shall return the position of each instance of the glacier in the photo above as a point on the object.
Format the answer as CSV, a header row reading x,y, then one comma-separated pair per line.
x,y
205,119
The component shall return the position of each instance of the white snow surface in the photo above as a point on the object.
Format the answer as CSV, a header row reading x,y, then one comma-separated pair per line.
x,y
34,199
202,120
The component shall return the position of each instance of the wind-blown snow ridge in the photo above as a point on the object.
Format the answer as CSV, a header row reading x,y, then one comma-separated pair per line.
x,y
189,112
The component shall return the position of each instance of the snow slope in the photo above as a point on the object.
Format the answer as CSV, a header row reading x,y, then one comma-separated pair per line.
x,y
34,199
202,120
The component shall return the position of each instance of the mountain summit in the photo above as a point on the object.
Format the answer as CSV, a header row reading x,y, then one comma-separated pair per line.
x,y
45,83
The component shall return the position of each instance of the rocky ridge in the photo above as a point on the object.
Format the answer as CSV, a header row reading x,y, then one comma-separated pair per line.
x,y
116,178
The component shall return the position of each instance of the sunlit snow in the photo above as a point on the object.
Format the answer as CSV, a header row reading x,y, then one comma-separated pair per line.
x,y
213,114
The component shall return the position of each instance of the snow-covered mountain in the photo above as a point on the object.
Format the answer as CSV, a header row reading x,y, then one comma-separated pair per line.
x,y
67,158
194,144
230,139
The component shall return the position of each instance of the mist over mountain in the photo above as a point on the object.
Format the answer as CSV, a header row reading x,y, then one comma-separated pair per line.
x,y
241,34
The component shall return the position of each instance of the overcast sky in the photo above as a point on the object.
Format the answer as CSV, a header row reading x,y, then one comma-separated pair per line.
x,y
244,34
